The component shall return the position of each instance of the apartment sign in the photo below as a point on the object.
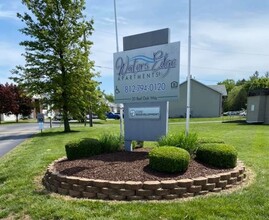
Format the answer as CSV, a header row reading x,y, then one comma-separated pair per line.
x,y
149,74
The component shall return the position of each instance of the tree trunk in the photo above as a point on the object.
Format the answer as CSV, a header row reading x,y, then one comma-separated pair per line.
x,y
90,118
66,125
64,95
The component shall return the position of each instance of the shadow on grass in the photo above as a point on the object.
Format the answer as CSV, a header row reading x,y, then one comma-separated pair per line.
x,y
239,122
243,122
54,133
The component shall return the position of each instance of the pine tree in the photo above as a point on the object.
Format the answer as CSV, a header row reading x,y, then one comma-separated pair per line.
x,y
57,65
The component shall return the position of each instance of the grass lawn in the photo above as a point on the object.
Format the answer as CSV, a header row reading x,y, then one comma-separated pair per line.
x,y
23,197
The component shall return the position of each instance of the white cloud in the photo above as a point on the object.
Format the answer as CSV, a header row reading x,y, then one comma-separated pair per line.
x,y
10,55
229,49
8,15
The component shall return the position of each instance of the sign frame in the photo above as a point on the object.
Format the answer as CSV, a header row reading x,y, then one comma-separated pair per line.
x,y
149,74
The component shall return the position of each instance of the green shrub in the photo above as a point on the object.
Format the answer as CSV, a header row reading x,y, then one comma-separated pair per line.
x,y
217,155
169,159
110,143
89,147
189,142
83,148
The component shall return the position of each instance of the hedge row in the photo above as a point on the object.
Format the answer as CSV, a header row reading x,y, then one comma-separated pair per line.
x,y
90,147
210,151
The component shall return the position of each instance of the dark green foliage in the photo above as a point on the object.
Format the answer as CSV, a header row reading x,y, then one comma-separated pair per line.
x,y
110,143
189,143
217,155
90,147
237,99
84,148
169,159
57,50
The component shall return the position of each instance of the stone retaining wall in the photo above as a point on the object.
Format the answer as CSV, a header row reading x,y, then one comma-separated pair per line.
x,y
135,190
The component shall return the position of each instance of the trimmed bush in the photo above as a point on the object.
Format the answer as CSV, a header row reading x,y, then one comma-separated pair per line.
x,y
83,148
169,159
89,147
217,155
189,143
110,143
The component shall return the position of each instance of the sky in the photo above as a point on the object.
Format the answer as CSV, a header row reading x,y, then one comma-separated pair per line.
x,y
229,38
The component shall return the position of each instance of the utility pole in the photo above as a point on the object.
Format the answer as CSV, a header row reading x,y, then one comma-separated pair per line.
x,y
189,75
117,48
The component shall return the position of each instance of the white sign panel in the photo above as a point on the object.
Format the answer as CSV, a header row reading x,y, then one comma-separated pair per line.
x,y
144,113
149,74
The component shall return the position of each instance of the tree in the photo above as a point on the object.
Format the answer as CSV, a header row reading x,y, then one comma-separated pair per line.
x,y
237,98
6,99
260,83
57,63
240,82
255,82
14,101
229,84
109,97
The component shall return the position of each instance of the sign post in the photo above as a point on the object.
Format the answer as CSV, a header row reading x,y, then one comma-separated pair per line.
x,y
40,120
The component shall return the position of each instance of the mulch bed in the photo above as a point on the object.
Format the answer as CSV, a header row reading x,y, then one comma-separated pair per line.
x,y
127,166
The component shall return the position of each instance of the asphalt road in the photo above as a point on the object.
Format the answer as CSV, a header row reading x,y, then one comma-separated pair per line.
x,y
13,134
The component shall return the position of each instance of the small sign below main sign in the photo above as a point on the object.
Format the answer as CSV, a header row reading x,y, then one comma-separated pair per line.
x,y
149,74
144,113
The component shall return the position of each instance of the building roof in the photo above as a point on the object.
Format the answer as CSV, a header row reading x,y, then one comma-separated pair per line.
x,y
217,88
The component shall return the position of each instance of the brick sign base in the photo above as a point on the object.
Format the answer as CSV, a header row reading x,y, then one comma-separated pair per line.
x,y
136,190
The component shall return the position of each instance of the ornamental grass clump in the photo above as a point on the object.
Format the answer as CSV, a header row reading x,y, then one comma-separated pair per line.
x,y
169,159
110,143
217,155
187,142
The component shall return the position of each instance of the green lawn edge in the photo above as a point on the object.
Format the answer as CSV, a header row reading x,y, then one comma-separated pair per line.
x,y
23,197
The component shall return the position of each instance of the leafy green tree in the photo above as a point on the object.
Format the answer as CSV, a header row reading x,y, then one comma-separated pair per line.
x,y
240,82
101,105
109,97
260,83
57,64
255,82
237,98
229,84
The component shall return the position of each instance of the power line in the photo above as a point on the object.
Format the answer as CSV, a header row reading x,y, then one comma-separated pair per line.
x,y
199,67
206,49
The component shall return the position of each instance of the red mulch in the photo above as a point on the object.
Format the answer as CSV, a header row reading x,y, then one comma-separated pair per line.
x,y
124,166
